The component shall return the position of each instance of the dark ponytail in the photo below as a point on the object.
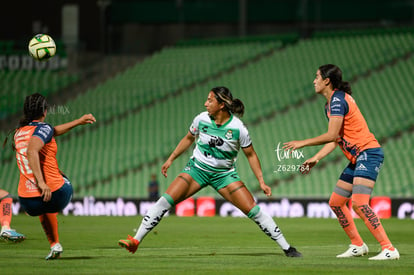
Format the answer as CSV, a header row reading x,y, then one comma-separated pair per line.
x,y
237,107
34,108
334,74
223,95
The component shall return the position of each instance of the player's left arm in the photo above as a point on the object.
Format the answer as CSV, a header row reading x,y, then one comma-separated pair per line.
x,y
334,127
256,167
66,127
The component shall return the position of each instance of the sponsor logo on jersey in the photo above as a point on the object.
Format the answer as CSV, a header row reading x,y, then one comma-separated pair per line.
x,y
215,141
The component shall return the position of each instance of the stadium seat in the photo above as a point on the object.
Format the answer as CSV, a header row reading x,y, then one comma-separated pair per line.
x,y
146,110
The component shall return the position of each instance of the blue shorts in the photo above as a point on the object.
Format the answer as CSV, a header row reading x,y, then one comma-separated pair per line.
x,y
60,198
367,166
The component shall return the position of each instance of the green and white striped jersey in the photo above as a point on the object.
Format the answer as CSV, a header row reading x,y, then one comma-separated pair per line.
x,y
217,147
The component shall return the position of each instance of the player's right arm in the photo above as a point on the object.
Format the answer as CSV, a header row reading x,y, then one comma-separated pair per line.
x,y
326,150
66,127
182,146
35,145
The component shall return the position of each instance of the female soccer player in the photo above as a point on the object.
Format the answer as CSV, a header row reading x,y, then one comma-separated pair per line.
x,y
6,214
43,189
219,137
348,129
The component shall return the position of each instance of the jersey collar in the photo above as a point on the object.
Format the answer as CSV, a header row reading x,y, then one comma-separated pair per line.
x,y
223,125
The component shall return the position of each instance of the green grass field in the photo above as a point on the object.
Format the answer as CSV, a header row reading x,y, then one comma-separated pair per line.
x,y
200,246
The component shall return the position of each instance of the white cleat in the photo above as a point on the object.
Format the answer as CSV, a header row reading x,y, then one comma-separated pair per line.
x,y
354,251
55,252
387,254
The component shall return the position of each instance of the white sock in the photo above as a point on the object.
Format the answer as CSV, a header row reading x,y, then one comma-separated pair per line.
x,y
152,218
4,227
268,226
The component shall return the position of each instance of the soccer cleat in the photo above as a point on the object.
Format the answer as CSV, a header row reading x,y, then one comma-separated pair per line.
x,y
292,252
387,254
130,244
12,236
354,251
55,252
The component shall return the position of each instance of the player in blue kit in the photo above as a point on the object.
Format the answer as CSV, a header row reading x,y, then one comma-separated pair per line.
x,y
219,135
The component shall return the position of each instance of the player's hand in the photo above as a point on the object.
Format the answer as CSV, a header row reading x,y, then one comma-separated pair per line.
x,y
293,145
266,189
308,165
165,167
87,119
45,190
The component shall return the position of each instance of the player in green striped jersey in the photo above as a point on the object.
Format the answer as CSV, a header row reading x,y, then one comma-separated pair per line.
x,y
219,135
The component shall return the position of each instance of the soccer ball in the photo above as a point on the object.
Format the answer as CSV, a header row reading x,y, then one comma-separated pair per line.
x,y
42,47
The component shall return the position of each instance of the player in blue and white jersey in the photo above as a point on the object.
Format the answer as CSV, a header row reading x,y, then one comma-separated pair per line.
x,y
219,136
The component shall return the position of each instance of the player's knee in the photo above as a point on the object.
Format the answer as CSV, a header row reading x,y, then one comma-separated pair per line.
x,y
355,206
337,201
339,197
4,194
332,202
360,202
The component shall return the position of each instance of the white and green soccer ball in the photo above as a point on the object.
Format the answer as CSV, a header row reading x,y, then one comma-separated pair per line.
x,y
42,47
